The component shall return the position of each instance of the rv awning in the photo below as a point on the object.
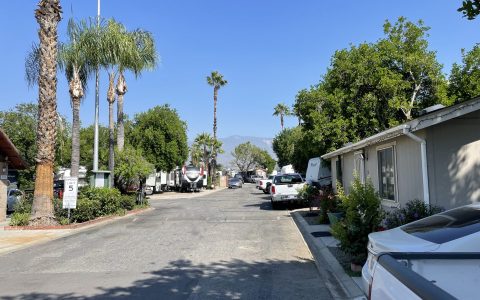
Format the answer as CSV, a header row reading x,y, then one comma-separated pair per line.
x,y
8,149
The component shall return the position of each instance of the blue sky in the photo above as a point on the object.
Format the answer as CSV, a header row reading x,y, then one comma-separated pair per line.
x,y
268,50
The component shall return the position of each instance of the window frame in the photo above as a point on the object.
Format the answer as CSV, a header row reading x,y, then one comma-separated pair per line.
x,y
388,202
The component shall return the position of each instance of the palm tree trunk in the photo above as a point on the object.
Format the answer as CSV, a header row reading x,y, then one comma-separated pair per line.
x,y
214,160
48,14
111,126
76,93
121,90
281,120
75,137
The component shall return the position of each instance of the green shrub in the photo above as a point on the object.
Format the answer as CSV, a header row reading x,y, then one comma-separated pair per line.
x,y
63,221
127,201
363,215
87,209
93,203
412,211
308,193
24,205
20,219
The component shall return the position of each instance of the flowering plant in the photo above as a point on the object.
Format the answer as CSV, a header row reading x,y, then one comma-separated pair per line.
x,y
412,211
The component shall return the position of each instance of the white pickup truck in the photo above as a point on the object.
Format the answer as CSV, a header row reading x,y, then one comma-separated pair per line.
x,y
264,184
284,188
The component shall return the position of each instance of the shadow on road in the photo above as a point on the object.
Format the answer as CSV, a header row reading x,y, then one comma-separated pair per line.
x,y
262,205
236,279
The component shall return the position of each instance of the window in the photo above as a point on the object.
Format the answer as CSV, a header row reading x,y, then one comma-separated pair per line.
x,y
338,168
288,179
359,165
447,226
386,173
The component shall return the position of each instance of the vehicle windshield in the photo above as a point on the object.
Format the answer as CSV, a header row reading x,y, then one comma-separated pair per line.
x,y
288,179
448,226
271,177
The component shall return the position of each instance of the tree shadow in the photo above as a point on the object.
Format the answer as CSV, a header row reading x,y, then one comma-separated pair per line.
x,y
463,175
236,279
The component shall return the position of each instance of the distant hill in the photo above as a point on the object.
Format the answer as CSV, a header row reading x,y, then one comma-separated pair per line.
x,y
229,143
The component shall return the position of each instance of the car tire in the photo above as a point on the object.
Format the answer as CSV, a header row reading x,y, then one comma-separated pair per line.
x,y
274,205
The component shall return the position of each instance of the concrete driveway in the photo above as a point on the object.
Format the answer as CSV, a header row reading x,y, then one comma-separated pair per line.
x,y
223,245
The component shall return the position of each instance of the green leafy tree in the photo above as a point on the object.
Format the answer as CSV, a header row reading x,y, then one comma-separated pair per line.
x,y
368,88
282,110
470,9
244,157
284,145
86,147
161,135
265,160
17,123
247,156
465,78
131,168
414,69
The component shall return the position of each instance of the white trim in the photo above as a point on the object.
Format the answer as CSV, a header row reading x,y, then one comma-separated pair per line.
x,y
386,145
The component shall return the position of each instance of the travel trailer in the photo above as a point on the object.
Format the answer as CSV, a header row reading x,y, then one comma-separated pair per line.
x,y
318,172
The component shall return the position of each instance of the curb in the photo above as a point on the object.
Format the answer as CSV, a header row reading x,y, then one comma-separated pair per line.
x,y
98,221
341,285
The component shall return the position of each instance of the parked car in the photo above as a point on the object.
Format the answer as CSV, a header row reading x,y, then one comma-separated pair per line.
x,y
453,231
13,196
58,188
284,188
251,178
264,184
239,176
235,183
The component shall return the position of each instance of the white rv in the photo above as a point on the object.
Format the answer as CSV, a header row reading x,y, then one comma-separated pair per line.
x,y
157,182
288,169
318,172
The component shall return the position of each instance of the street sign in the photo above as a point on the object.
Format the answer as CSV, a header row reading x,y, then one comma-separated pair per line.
x,y
70,192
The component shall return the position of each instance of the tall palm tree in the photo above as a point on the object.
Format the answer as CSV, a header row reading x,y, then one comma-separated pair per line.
x,y
48,15
216,80
281,110
74,61
136,53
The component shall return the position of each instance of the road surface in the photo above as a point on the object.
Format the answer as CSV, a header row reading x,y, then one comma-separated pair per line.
x,y
224,245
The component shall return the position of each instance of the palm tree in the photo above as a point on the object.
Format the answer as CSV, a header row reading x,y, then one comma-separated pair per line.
x,y
281,110
204,142
136,52
74,61
216,80
48,15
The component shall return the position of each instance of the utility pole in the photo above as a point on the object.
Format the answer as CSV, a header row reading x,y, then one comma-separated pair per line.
x,y
97,104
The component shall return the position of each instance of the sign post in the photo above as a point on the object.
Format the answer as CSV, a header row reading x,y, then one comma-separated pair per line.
x,y
70,194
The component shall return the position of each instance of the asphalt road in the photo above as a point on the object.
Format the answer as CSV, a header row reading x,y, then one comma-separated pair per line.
x,y
225,245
